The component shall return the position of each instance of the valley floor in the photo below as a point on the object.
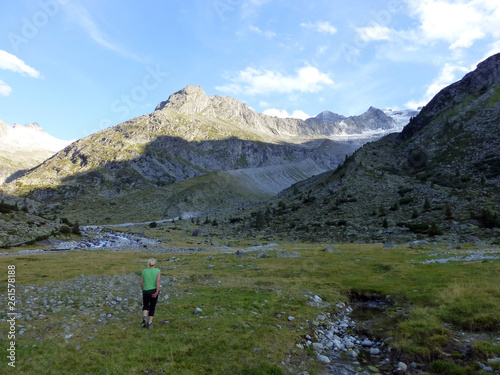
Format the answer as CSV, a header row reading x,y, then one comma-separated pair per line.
x,y
250,307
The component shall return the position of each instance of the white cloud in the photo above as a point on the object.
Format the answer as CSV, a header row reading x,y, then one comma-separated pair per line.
x,y
5,89
284,114
83,18
253,81
321,26
267,34
79,15
15,64
449,74
373,33
458,22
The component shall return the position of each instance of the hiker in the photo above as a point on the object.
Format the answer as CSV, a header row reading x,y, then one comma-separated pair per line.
x,y
150,285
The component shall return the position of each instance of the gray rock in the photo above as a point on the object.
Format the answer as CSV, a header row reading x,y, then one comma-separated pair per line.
x,y
318,346
323,358
374,351
420,243
367,342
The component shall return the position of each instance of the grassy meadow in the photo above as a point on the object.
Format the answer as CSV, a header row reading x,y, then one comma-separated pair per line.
x,y
443,316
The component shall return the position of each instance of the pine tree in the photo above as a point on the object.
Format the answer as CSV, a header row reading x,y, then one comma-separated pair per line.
x,y
427,205
448,213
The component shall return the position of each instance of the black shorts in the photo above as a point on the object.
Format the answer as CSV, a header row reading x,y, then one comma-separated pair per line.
x,y
148,302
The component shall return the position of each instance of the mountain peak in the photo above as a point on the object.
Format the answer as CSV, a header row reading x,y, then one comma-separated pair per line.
x,y
327,117
189,100
34,126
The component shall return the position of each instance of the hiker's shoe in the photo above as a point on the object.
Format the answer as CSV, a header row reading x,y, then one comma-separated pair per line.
x,y
150,325
144,323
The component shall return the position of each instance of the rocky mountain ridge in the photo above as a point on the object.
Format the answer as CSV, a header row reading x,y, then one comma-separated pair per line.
x,y
193,100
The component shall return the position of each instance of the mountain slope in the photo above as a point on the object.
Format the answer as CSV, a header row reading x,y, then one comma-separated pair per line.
x,y
439,177
24,147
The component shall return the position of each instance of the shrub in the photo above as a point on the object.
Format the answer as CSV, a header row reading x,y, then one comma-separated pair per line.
x,y
64,229
487,219
404,201
434,230
76,229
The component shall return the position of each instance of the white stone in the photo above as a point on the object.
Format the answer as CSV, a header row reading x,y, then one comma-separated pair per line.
x,y
402,366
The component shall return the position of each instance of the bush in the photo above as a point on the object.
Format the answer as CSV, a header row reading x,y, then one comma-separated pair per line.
x,y
487,219
404,201
434,230
64,229
76,229
6,208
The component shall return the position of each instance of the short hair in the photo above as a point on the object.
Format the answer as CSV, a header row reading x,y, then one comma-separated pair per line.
x,y
152,262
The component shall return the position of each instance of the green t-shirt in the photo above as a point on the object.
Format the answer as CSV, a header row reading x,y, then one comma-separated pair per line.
x,y
149,275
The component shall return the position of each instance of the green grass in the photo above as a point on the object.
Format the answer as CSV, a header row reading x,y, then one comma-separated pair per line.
x,y
243,328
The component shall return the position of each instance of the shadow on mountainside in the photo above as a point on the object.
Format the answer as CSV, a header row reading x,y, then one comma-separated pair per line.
x,y
168,176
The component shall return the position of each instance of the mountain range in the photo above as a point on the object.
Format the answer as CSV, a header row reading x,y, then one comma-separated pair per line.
x,y
327,178
192,154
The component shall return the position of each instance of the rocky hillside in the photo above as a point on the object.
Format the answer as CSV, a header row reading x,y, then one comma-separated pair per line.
x,y
439,178
24,147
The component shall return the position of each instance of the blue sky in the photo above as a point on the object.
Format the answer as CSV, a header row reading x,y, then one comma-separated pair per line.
x,y
77,67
